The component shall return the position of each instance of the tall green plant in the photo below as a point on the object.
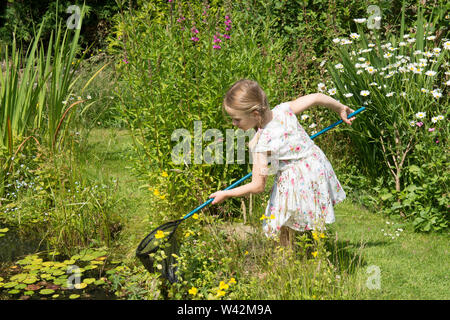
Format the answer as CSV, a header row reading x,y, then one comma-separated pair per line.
x,y
401,82
175,71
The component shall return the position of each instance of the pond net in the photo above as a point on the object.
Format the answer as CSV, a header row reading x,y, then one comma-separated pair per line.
x,y
156,250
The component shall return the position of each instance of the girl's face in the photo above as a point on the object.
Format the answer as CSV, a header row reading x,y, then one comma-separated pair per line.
x,y
242,120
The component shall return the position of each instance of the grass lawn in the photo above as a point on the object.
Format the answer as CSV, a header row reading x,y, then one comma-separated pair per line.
x,y
410,265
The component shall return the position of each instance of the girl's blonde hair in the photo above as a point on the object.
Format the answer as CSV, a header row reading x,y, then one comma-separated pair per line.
x,y
246,96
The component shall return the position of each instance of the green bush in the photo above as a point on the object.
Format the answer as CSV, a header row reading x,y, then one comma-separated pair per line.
x,y
400,79
169,80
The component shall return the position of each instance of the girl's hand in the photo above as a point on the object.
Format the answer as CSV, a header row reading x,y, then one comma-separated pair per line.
x,y
344,112
219,196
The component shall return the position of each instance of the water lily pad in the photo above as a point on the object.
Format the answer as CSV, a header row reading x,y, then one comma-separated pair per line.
x,y
32,287
30,280
74,296
89,280
20,286
48,263
28,293
80,285
19,277
4,230
46,291
10,284
14,291
99,282
55,296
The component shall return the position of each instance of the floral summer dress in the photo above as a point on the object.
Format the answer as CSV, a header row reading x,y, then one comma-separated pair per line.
x,y
305,186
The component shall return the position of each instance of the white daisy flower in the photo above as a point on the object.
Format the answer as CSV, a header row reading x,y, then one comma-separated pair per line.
x,y
364,93
420,115
387,55
434,119
304,117
332,91
371,70
424,90
430,73
360,20
373,84
362,59
339,66
371,45
431,37
348,95
406,36
390,94
436,51
321,87
417,52
447,83
412,123
346,41
336,40
359,71
313,125
440,117
354,36
447,45
411,40
436,93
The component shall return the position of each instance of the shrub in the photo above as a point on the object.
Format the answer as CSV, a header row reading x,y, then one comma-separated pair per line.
x,y
401,81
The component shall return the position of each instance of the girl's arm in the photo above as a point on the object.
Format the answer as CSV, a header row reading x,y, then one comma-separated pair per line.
x,y
258,184
303,103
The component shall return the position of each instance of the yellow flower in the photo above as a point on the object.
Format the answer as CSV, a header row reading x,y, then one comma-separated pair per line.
x,y
220,293
163,197
164,174
223,285
322,235
272,216
159,234
262,217
156,192
246,252
232,281
315,236
193,291
187,234
195,216
314,254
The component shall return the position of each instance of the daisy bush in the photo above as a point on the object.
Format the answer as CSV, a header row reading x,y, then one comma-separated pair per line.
x,y
402,80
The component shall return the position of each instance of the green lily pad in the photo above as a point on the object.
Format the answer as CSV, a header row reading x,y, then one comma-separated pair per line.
x,y
14,291
89,280
74,296
46,291
30,280
19,277
10,284
28,293
20,286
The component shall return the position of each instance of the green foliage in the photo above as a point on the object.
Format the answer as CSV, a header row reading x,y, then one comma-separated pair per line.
x,y
163,87
400,80
51,276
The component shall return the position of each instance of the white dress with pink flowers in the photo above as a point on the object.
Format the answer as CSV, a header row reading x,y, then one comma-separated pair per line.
x,y
305,186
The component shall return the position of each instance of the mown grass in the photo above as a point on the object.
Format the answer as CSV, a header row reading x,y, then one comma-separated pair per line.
x,y
412,265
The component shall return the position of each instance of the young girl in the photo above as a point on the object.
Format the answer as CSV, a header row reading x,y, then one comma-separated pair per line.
x,y
305,186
